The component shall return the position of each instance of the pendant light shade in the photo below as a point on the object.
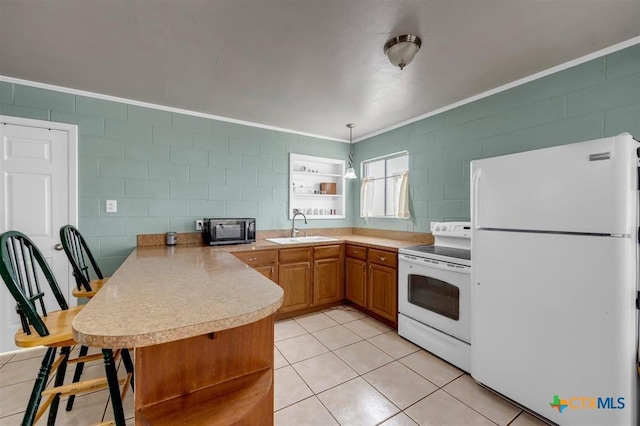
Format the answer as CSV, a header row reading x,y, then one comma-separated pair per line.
x,y
351,173
402,49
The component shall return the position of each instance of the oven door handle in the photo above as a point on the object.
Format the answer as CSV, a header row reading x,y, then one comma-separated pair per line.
x,y
447,266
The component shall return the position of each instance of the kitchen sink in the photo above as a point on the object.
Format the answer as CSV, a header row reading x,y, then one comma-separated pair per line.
x,y
298,240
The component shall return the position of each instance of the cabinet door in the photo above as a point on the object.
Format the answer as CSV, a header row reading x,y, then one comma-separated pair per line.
x,y
327,281
382,291
356,277
267,271
295,280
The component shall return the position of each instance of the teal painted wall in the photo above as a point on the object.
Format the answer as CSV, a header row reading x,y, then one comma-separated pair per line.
x,y
167,169
595,99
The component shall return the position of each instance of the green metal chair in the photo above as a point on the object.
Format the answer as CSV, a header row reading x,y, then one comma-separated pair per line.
x,y
30,281
89,278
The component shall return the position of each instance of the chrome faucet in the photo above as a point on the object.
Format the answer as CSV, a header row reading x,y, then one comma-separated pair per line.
x,y
294,230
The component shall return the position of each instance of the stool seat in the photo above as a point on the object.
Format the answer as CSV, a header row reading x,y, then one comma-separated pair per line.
x,y
58,324
95,286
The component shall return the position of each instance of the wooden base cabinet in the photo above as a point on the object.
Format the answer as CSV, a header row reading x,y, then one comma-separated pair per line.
x,y
328,282
263,261
356,281
372,280
294,276
221,378
382,291
325,274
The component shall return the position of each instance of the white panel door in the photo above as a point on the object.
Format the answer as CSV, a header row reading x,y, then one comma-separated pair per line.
x,y
35,191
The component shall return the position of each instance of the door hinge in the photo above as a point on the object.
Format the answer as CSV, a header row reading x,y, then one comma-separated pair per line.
x,y
638,300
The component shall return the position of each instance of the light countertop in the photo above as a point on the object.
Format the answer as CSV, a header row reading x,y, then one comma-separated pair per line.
x,y
162,294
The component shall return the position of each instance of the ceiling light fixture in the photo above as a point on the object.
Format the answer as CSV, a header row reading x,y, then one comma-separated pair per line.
x,y
402,49
351,173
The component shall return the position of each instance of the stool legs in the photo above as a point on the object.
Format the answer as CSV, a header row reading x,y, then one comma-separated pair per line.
x,y
76,375
114,387
58,381
38,387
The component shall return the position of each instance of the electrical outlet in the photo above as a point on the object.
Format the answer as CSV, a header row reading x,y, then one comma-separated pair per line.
x,y
111,206
199,225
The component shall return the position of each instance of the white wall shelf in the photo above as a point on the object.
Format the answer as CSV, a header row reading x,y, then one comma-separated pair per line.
x,y
306,174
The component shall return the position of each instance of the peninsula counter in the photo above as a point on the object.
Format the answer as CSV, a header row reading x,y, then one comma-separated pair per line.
x,y
201,323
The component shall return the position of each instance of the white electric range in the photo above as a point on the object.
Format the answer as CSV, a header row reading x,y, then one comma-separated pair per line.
x,y
434,294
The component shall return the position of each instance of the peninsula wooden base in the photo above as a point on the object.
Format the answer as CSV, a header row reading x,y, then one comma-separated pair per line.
x,y
220,379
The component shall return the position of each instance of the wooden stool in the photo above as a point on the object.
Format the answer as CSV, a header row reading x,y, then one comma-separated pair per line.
x,y
23,267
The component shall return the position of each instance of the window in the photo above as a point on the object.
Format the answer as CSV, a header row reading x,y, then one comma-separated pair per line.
x,y
385,186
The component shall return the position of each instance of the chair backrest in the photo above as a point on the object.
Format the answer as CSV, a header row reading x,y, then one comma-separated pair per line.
x,y
23,269
79,256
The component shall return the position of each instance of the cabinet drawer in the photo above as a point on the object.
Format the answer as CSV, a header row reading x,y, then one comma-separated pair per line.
x,y
382,257
326,252
257,257
356,252
295,255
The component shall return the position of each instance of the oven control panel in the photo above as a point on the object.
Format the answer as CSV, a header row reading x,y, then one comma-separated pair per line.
x,y
451,229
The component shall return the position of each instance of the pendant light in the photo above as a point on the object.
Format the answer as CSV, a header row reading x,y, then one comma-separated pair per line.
x,y
351,173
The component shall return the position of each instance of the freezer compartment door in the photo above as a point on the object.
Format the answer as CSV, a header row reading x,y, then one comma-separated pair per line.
x,y
583,187
556,315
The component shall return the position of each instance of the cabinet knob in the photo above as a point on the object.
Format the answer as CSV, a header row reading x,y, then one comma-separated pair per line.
x,y
364,267
381,258
370,268
252,258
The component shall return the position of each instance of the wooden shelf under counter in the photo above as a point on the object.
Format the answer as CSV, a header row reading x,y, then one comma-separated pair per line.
x,y
234,379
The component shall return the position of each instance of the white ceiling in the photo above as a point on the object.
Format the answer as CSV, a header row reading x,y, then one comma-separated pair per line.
x,y
306,65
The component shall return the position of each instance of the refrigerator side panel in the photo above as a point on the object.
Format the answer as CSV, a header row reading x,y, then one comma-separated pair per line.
x,y
556,315
582,187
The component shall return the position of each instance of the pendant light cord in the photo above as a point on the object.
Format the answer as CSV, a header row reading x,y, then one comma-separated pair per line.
x,y
350,146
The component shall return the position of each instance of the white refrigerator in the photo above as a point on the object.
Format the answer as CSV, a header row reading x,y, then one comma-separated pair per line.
x,y
555,280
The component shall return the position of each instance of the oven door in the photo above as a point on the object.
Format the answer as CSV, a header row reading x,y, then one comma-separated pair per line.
x,y
437,294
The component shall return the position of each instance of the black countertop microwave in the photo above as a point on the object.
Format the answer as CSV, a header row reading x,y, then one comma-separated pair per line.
x,y
228,231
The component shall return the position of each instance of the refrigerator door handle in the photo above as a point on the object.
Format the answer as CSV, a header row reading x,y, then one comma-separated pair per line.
x,y
474,200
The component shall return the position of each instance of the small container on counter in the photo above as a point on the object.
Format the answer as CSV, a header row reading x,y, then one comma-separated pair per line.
x,y
171,238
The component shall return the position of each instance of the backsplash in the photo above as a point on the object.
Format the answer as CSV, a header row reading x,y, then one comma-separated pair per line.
x,y
147,240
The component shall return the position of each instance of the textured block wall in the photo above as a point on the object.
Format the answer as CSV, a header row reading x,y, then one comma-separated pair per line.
x,y
595,99
167,169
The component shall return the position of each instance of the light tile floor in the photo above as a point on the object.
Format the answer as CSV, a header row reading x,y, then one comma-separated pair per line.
x,y
336,367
